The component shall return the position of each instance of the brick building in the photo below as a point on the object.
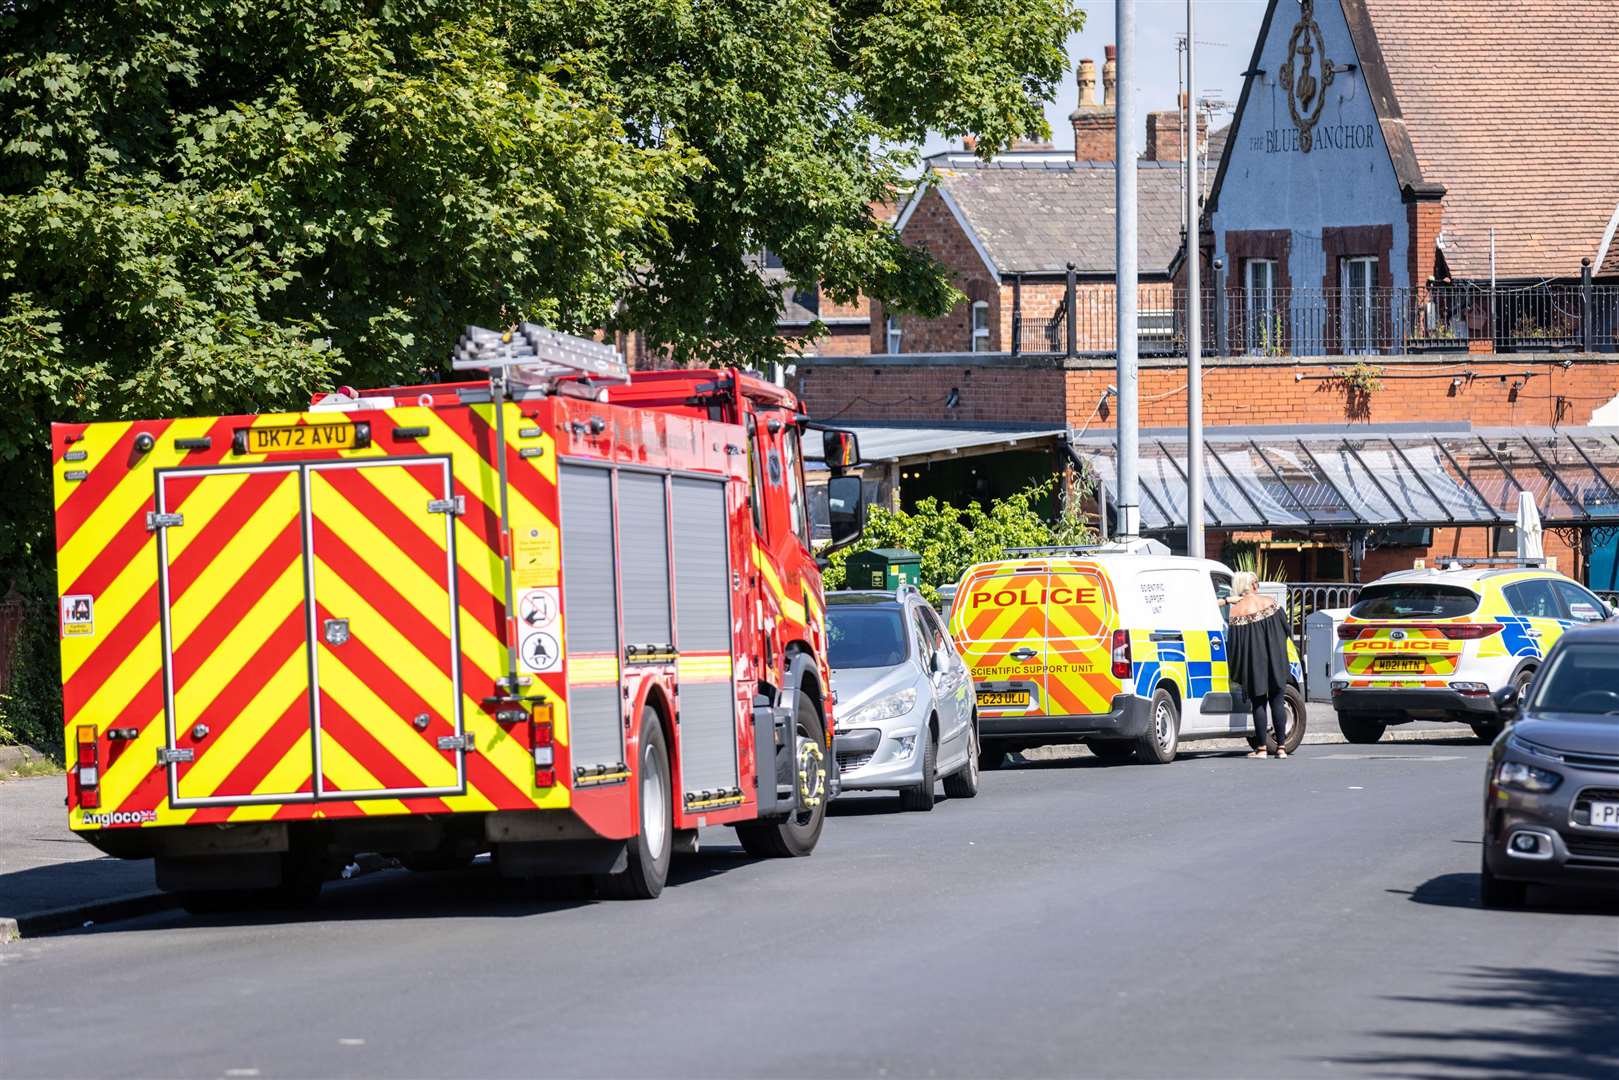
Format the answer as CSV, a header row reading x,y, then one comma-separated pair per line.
x,y
1009,228
1381,176
1455,399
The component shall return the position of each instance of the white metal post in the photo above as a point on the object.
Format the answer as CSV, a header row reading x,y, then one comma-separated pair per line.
x,y
1129,495
1194,308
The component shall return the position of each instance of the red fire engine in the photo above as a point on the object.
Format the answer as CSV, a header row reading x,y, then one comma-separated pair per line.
x,y
562,614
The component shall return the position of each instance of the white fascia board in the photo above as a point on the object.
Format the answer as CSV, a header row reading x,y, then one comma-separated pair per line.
x,y
1607,242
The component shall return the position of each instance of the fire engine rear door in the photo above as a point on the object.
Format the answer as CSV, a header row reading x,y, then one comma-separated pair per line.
x,y
383,628
236,687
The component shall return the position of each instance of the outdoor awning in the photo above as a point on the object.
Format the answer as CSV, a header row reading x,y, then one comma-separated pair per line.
x,y
1362,477
904,444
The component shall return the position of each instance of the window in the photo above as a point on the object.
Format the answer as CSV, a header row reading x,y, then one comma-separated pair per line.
x,y
1357,277
1533,600
861,636
924,638
1504,540
756,490
1222,585
1415,601
937,635
1582,679
895,334
1580,605
1260,317
798,508
980,342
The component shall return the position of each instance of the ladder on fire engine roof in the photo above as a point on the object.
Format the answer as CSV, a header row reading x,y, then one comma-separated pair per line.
x,y
533,356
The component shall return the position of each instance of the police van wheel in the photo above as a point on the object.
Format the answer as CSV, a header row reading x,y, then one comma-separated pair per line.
x,y
654,843
991,755
798,835
1159,742
1358,728
1297,715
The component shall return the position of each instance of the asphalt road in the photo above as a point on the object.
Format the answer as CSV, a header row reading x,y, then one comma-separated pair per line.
x,y
1214,917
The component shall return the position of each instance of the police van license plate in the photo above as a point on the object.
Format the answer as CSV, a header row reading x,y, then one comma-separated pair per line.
x,y
272,438
1412,664
1605,815
1002,698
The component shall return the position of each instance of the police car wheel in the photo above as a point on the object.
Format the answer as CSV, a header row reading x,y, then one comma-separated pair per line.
x,y
1358,728
1159,742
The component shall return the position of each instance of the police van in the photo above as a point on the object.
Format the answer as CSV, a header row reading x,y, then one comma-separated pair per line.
x,y
1120,647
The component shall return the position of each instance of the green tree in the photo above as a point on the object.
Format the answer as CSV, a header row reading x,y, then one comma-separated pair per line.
x,y
950,539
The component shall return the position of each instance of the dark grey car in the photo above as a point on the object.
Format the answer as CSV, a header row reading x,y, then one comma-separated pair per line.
x,y
1551,807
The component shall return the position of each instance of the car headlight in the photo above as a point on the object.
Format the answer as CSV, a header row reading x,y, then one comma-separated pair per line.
x,y
885,708
1521,777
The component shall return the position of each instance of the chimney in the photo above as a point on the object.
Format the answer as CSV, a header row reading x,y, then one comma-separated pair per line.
x,y
1166,133
1096,124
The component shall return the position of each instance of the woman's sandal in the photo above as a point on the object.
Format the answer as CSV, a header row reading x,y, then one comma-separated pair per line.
x,y
1281,753
1259,753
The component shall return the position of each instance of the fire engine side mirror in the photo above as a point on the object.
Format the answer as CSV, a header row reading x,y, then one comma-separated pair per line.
x,y
846,511
839,449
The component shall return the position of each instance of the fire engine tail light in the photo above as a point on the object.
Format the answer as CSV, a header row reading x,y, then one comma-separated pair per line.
x,y
88,767
544,742
1121,654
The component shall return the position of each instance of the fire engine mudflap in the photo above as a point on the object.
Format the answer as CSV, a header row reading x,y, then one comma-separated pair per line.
x,y
559,615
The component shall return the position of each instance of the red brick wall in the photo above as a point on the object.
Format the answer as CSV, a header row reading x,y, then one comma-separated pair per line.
x,y
931,226
1244,392
1426,220
1096,135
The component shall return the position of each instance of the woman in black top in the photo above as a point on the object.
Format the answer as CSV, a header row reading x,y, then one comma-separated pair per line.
x,y
1256,649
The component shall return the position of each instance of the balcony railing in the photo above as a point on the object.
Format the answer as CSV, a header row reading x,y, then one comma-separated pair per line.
x,y
1324,322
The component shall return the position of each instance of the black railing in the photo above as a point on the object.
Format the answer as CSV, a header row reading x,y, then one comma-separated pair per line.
x,y
1328,322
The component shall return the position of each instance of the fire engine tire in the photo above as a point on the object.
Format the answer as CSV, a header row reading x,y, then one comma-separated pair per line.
x,y
991,755
963,783
1159,742
653,845
921,797
1297,717
797,836
1359,728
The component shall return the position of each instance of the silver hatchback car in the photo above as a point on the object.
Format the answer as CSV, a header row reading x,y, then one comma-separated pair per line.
x,y
907,714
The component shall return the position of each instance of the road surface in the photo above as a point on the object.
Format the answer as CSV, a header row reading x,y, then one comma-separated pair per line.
x,y
1214,917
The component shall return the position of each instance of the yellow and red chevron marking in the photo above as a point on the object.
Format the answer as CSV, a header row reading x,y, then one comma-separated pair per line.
x,y
237,579
1377,646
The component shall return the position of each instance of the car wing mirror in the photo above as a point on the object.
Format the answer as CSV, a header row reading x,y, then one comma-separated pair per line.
x,y
1507,702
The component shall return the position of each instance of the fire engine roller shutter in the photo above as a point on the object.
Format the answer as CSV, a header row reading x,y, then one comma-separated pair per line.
x,y
708,727
590,629
643,559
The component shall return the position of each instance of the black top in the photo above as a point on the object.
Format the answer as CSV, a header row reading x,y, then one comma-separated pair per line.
x,y
1256,649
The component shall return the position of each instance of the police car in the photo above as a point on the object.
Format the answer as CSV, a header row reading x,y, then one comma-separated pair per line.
x,y
1443,642
1119,647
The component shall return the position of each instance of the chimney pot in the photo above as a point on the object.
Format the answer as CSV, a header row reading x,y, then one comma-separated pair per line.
x,y
1087,84
1110,79
1111,52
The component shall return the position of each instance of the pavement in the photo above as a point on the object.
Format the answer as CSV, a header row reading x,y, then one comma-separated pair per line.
x,y
51,880
1218,916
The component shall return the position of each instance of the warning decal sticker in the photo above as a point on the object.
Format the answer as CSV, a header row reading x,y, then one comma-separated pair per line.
x,y
78,616
537,611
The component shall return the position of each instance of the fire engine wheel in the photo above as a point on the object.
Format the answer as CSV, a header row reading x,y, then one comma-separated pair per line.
x,y
798,835
653,846
1297,714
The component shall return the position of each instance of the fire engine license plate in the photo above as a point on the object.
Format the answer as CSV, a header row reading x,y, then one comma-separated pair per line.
x,y
1398,663
993,698
273,439
1605,815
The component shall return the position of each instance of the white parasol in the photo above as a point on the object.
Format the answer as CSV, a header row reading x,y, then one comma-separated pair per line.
x,y
1530,543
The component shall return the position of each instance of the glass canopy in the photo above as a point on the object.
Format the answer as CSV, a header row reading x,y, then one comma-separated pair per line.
x,y
1362,479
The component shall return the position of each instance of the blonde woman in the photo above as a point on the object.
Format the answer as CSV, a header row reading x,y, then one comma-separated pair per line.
x,y
1256,648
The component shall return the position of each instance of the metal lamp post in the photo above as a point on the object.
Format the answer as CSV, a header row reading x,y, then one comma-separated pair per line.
x,y
1194,307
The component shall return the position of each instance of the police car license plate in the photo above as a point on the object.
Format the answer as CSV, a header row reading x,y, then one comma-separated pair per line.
x,y
1605,815
992,698
277,438
1398,663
